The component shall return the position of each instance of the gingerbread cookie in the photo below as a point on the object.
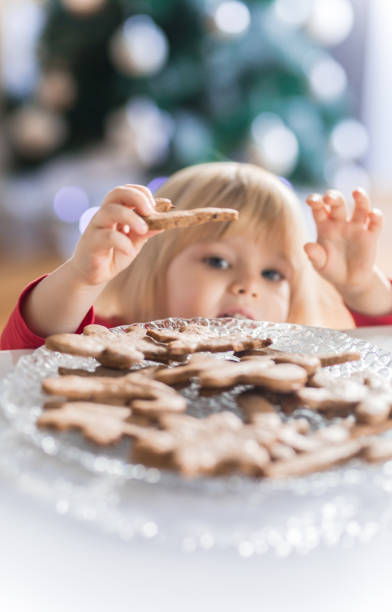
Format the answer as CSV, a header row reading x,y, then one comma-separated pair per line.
x,y
119,351
185,218
163,205
375,408
142,393
377,449
310,363
252,404
218,444
323,458
100,423
340,396
330,359
198,362
261,371
196,338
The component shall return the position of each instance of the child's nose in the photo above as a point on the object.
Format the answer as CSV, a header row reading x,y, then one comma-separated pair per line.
x,y
246,288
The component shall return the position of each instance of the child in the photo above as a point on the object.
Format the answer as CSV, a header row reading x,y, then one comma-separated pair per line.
x,y
257,267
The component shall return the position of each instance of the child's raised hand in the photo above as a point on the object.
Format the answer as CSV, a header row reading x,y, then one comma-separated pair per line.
x,y
345,251
114,235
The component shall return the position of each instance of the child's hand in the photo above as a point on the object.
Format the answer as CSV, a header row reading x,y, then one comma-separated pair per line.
x,y
345,251
114,235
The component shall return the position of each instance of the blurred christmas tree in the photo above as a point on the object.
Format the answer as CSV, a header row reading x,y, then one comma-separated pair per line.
x,y
174,82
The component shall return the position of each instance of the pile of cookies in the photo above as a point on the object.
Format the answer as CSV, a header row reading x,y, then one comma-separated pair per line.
x,y
124,397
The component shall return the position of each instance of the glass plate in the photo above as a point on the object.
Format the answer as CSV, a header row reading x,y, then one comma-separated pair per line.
x,y
251,516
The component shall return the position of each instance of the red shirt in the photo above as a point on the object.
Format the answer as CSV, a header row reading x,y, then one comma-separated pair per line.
x,y
16,334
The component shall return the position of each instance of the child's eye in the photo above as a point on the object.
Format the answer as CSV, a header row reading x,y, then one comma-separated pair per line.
x,y
217,262
272,275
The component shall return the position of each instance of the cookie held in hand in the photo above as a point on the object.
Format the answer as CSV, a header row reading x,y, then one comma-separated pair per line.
x,y
172,219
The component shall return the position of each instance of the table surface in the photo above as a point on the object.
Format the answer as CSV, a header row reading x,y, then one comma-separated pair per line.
x,y
53,562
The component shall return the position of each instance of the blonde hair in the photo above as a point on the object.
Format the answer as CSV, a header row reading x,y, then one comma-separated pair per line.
x,y
266,205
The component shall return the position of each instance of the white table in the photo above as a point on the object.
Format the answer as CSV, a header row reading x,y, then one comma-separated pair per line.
x,y
53,562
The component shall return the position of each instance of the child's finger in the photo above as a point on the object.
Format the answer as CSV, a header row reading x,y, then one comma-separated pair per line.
x,y
319,210
362,206
317,255
130,197
144,190
112,214
375,221
112,239
337,205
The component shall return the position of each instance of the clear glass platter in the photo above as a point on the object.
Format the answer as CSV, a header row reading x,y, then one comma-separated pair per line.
x,y
345,504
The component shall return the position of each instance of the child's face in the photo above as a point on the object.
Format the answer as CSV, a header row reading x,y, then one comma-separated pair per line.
x,y
234,276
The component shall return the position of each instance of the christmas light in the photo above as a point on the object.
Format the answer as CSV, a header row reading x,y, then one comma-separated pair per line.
x,y
141,130
140,47
294,14
232,18
69,203
349,139
274,145
330,21
327,79
152,129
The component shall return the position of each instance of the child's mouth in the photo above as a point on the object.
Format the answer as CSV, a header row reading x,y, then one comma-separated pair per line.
x,y
234,315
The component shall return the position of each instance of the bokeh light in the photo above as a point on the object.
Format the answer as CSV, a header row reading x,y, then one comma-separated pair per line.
x,y
151,128
294,14
274,144
140,47
156,183
141,130
36,131
56,89
232,18
327,79
84,7
349,139
86,218
330,21
69,203
20,27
